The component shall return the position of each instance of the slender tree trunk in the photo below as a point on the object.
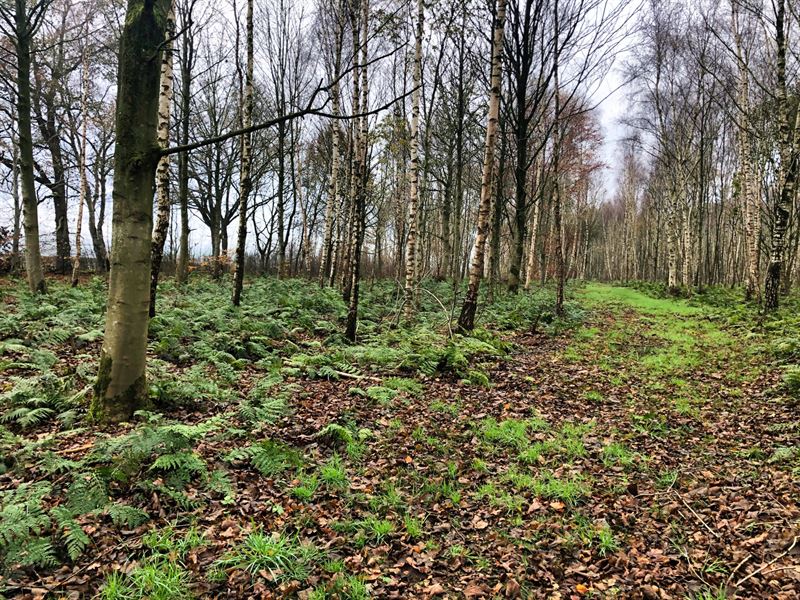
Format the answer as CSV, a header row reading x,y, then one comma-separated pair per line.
x,y
534,228
788,168
82,195
187,59
672,242
413,193
96,205
121,386
15,196
561,274
162,171
331,209
466,320
245,183
360,171
30,210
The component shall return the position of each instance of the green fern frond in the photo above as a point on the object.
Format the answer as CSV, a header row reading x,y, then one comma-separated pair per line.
x,y
130,516
75,538
184,461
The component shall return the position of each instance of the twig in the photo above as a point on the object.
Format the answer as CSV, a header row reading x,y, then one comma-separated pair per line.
x,y
698,517
354,376
776,569
447,318
74,449
770,563
736,568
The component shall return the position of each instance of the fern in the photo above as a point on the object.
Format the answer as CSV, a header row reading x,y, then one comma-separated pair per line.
x,y
87,493
37,552
130,516
219,482
22,521
53,463
34,400
75,538
184,462
270,458
21,515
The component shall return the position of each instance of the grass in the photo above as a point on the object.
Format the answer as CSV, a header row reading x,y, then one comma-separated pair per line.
x,y
283,557
596,293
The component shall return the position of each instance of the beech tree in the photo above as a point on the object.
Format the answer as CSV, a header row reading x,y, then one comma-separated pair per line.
x,y
121,382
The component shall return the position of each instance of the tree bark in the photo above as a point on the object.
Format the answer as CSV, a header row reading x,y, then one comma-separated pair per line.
x,y
30,210
466,320
121,387
413,192
162,171
246,184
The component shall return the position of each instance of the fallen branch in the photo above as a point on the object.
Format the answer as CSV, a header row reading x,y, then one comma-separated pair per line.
x,y
770,563
698,517
359,377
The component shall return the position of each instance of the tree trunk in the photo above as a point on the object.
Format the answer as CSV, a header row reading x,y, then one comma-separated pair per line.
x,y
788,168
466,320
30,208
187,59
121,385
82,195
246,183
326,268
360,171
17,228
162,171
413,193
561,274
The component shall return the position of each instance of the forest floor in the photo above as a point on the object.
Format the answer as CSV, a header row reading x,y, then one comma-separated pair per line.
x,y
650,450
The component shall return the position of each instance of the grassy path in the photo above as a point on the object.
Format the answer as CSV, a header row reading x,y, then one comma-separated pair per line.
x,y
640,458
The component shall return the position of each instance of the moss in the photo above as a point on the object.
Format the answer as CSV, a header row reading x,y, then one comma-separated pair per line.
x,y
120,407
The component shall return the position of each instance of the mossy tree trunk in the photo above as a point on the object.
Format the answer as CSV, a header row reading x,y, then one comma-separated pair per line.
x,y
121,387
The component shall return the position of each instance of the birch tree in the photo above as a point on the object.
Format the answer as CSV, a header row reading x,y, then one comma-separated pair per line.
x,y
466,320
245,182
413,188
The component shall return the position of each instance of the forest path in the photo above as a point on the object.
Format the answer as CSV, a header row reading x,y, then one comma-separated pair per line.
x,y
645,456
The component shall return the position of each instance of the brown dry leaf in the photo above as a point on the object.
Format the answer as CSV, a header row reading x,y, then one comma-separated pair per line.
x,y
473,590
435,589
512,588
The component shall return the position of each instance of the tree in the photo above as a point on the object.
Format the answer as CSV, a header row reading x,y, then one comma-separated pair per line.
x,y
121,387
245,184
413,188
76,263
360,167
466,320
20,24
789,162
